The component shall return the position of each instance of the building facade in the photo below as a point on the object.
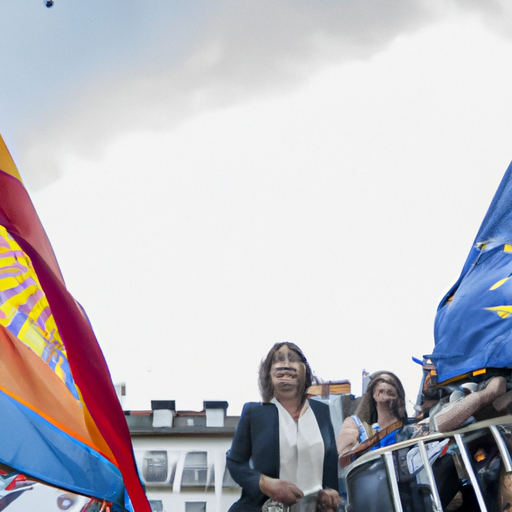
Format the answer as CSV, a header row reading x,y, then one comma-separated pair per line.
x,y
181,456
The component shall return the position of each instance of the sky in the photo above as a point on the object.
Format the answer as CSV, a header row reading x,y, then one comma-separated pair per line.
x,y
218,176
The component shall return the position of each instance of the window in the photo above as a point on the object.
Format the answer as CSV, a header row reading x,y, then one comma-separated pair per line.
x,y
155,466
195,470
228,481
195,506
156,505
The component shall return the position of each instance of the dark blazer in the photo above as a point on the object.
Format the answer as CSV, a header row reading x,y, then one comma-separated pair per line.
x,y
255,451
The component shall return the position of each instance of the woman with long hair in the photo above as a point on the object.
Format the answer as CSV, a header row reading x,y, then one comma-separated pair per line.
x,y
284,447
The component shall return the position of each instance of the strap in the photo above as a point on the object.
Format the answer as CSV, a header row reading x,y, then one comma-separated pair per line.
x,y
346,458
363,436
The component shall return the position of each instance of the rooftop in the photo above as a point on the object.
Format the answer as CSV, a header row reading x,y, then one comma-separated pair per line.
x,y
182,423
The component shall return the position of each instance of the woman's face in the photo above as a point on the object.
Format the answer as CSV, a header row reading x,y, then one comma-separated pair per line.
x,y
288,374
384,392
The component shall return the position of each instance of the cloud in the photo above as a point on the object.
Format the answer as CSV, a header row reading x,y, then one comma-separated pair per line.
x,y
496,14
236,51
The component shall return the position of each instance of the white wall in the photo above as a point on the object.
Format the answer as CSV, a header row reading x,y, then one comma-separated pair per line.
x,y
173,497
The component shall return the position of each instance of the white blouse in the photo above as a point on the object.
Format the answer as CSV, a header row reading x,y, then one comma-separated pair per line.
x,y
301,449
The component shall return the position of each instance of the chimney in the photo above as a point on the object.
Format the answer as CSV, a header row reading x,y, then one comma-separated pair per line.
x,y
215,413
163,412
121,392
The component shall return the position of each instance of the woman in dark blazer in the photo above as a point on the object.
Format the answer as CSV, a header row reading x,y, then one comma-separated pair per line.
x,y
256,454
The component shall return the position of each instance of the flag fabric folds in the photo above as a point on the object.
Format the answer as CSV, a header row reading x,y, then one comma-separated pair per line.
x,y
61,421
473,324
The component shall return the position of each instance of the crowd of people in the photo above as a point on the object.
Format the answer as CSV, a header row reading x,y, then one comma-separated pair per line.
x,y
285,450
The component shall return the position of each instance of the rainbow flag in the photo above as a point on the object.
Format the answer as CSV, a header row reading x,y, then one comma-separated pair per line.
x,y
61,420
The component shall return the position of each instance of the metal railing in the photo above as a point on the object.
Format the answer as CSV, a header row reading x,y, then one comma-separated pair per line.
x,y
428,473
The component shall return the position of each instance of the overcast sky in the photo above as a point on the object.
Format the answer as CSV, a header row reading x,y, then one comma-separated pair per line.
x,y
217,176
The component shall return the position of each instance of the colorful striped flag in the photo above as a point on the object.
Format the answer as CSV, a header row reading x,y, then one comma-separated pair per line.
x,y
61,420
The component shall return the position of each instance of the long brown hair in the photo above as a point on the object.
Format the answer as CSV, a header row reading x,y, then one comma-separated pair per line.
x,y
265,380
367,409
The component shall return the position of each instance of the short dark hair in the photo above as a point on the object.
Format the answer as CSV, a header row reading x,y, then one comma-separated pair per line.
x,y
265,380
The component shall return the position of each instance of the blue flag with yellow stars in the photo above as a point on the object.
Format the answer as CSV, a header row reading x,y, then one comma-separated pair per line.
x,y
473,324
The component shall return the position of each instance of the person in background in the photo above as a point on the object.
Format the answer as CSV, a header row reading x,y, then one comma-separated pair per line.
x,y
284,447
381,409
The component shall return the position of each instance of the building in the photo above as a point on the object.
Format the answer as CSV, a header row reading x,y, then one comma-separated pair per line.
x,y
181,456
